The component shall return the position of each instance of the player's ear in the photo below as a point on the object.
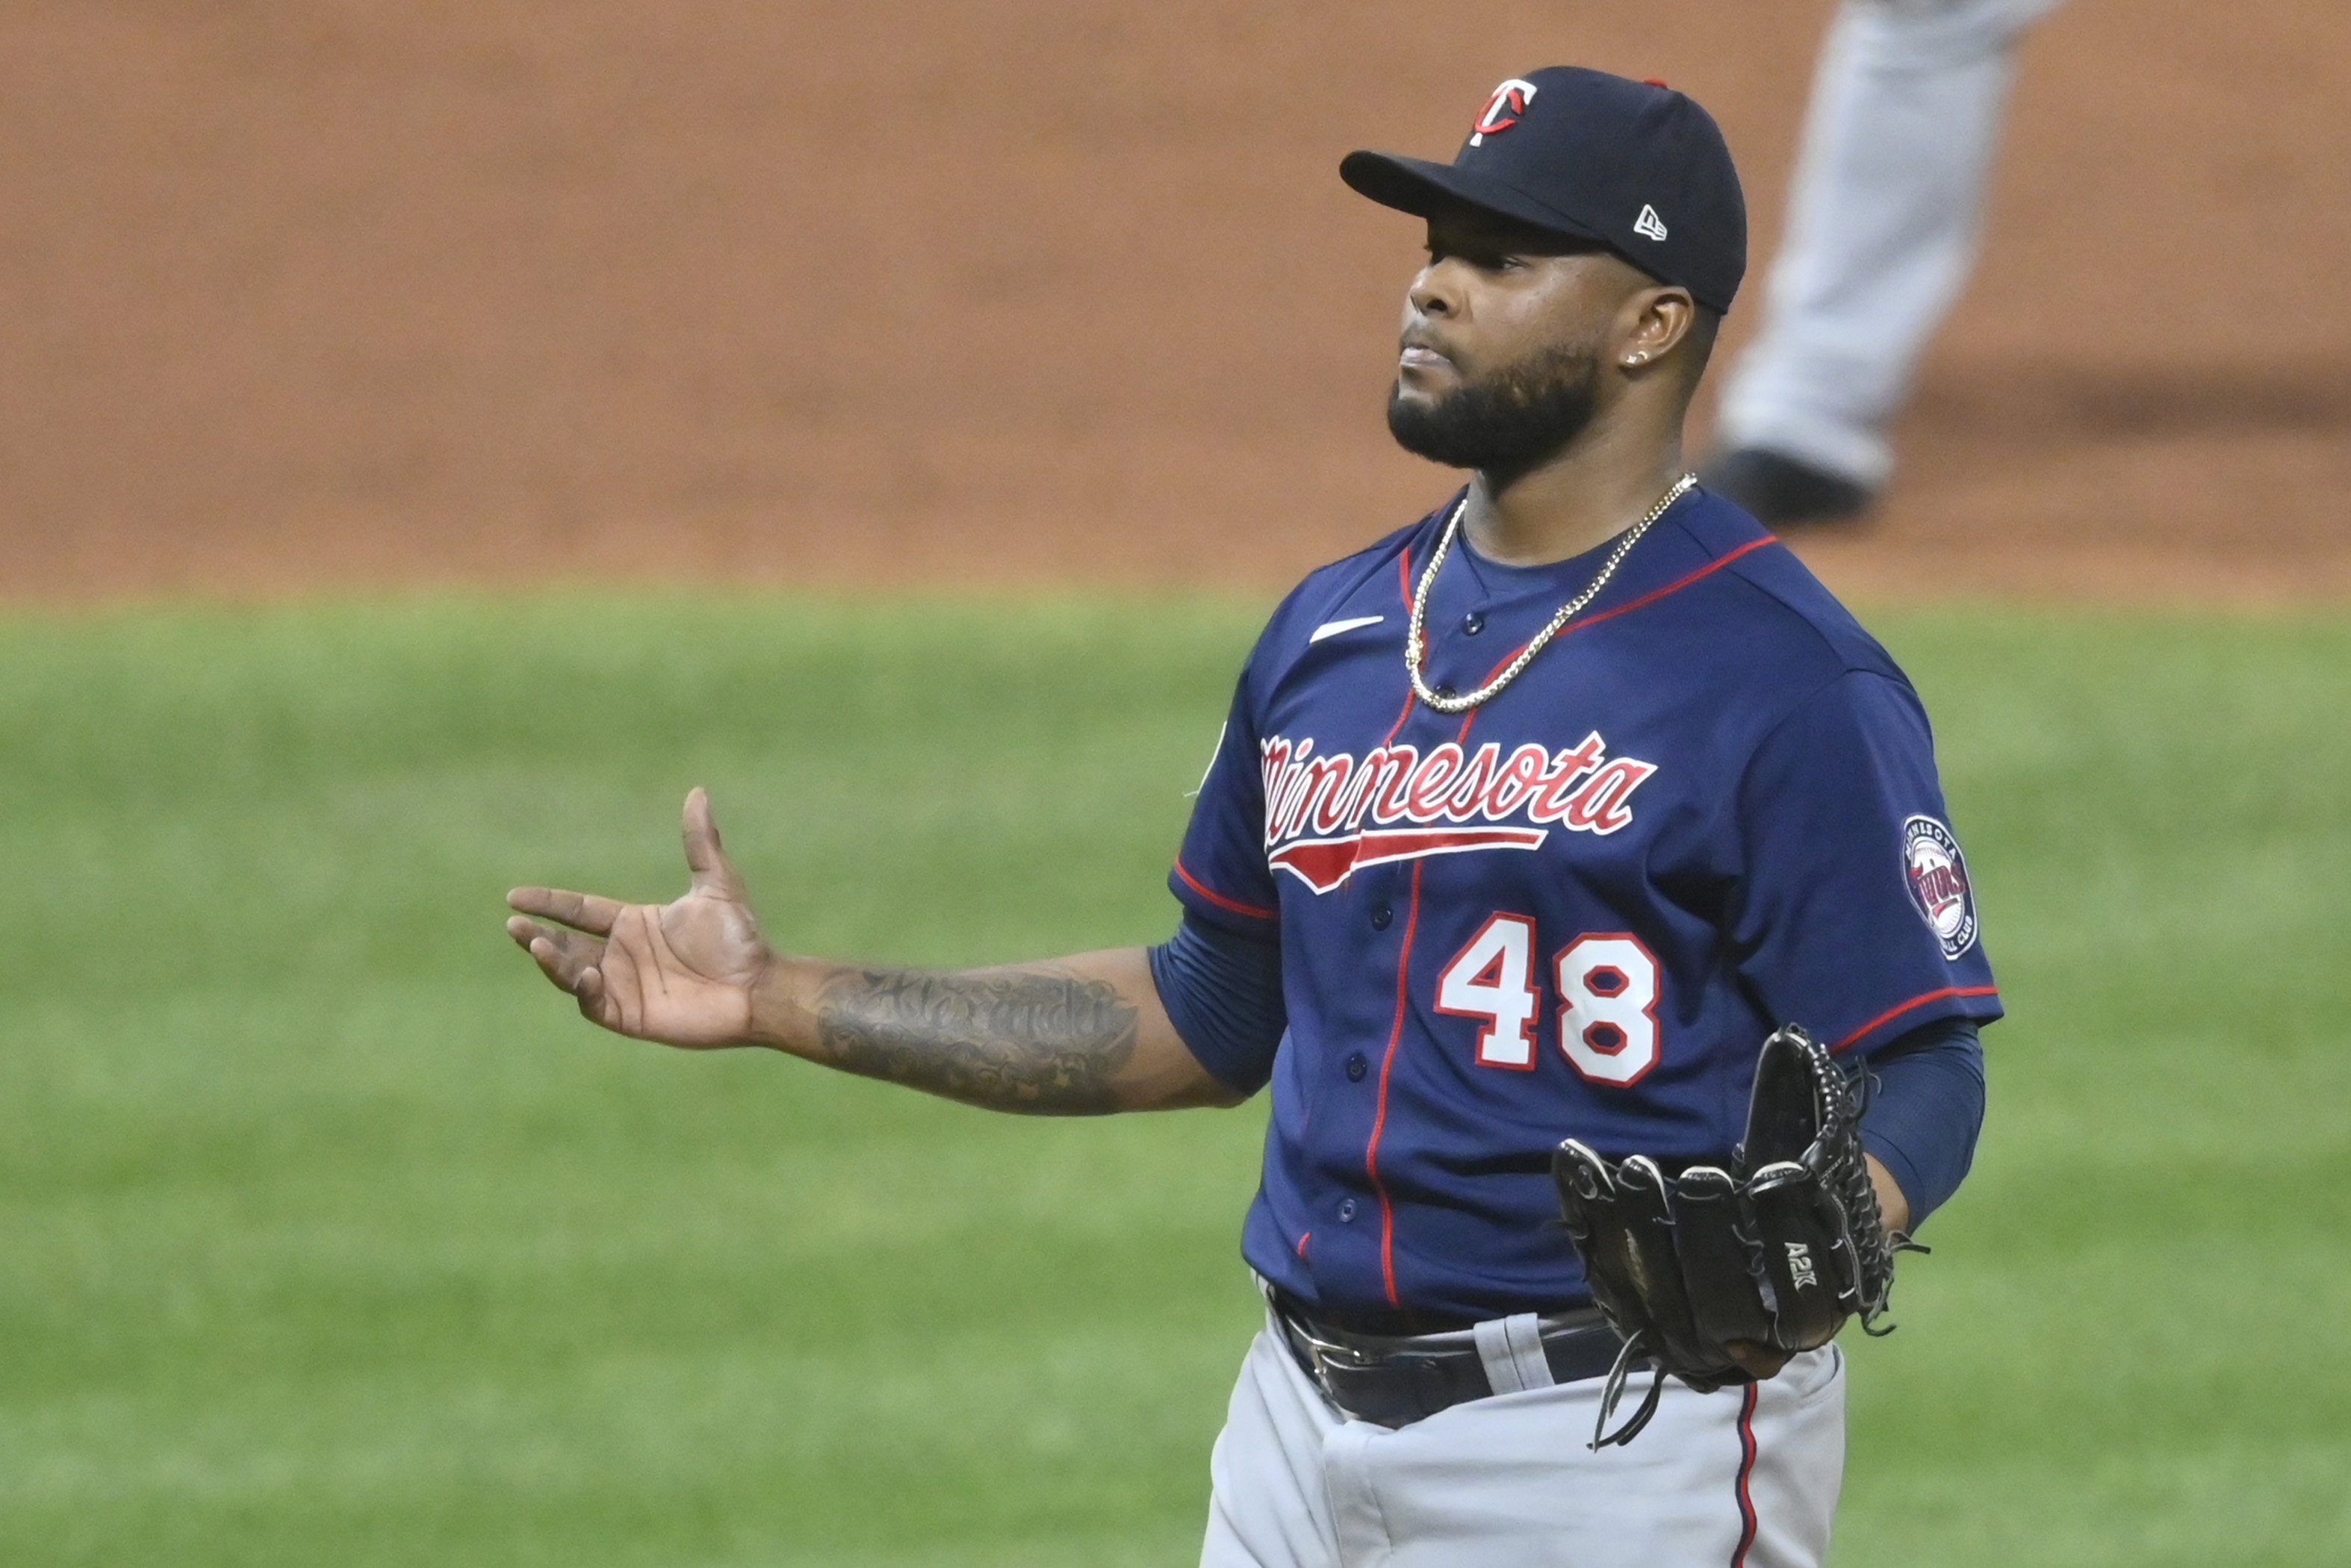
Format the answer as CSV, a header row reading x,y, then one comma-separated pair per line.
x,y
1654,322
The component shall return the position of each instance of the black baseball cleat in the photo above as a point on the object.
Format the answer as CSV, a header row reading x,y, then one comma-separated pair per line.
x,y
1779,491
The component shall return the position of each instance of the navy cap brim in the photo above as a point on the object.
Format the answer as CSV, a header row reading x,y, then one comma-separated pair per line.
x,y
1425,190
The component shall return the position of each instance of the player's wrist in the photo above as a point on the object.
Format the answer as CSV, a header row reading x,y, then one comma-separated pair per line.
x,y
1893,1204
782,1012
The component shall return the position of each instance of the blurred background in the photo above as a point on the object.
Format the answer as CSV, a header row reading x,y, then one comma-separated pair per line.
x,y
1029,290
436,436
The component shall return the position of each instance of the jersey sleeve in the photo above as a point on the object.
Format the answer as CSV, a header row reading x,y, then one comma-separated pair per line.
x,y
1220,873
1222,990
1853,914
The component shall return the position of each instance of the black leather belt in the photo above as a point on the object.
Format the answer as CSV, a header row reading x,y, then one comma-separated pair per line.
x,y
1393,1381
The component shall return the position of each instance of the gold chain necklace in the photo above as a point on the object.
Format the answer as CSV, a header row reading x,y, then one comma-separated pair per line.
x,y
1413,650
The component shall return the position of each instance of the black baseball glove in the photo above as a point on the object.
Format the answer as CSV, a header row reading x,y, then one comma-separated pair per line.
x,y
1776,1252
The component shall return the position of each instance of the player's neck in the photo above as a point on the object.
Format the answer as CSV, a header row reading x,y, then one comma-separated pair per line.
x,y
1592,490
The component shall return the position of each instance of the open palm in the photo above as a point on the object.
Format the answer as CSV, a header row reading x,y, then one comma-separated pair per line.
x,y
680,973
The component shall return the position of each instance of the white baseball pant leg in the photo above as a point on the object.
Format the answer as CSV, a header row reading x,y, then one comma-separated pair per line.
x,y
1884,222
1742,1477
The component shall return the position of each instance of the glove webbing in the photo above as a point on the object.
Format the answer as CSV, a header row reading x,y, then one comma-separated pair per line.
x,y
1875,1245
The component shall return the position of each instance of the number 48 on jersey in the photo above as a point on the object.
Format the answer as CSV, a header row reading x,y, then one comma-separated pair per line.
x,y
1607,988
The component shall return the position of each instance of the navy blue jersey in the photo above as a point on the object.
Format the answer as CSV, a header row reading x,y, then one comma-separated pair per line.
x,y
1708,808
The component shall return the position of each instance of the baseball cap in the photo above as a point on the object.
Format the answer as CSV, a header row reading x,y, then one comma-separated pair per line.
x,y
1634,165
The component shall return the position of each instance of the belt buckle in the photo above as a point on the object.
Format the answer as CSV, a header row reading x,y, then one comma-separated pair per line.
x,y
1326,1355
1346,1357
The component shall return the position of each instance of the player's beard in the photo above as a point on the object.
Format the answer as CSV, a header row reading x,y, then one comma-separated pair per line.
x,y
1507,423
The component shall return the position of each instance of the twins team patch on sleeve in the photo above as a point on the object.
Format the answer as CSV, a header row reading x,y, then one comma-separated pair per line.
x,y
1937,876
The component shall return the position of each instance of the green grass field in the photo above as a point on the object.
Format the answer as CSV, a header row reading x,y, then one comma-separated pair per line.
x,y
332,1237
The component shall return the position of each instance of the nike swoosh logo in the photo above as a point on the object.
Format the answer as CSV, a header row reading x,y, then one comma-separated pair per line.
x,y
1333,628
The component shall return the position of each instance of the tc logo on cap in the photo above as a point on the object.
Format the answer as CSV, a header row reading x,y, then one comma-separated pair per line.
x,y
1502,110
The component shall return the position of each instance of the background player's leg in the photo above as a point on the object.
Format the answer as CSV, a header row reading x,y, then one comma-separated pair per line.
x,y
1268,1504
1883,223
1509,1483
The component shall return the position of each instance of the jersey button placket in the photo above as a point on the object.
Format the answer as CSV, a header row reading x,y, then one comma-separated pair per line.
x,y
1381,916
1359,1066
1346,1211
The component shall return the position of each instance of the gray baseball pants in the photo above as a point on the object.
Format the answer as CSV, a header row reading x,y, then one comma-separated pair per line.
x,y
1742,1477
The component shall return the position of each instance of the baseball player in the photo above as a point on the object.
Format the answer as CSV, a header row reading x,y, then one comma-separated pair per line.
x,y
1528,822
1883,223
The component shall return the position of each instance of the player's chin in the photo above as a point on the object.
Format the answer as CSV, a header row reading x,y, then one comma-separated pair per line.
x,y
1412,405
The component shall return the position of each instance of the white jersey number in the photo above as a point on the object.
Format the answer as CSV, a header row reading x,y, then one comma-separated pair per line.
x,y
1493,980
1607,1007
1607,1000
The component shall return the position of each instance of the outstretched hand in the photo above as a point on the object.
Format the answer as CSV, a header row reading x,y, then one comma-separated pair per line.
x,y
680,973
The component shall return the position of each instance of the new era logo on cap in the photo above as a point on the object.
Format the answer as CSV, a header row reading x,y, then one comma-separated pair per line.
x,y
1649,224
1502,110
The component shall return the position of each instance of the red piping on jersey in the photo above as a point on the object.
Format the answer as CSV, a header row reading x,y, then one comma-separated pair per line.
x,y
1894,1012
1396,1030
1380,1116
1572,627
1675,586
1219,900
1303,1237
1746,1469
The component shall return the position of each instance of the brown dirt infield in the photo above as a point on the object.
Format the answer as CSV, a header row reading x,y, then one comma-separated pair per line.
x,y
1005,291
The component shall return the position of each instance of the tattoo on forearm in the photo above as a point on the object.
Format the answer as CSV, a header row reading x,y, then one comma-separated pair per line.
x,y
1043,1043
